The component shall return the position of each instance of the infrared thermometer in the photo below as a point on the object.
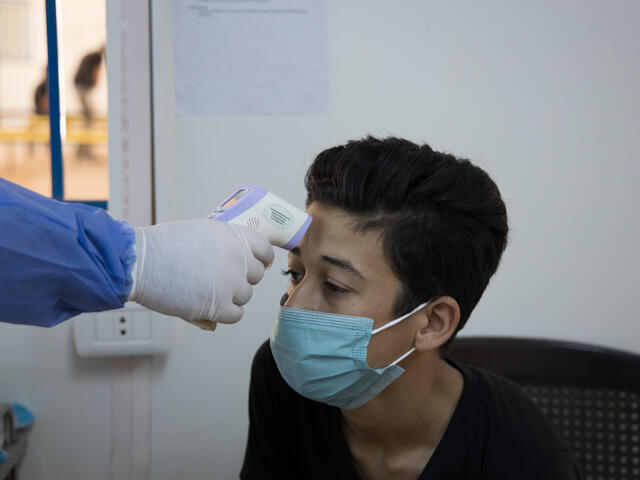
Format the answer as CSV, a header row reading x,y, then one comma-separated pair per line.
x,y
254,207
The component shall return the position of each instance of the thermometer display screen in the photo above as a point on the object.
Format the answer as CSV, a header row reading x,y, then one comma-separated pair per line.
x,y
233,199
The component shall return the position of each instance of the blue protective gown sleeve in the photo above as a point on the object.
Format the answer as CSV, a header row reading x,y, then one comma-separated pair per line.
x,y
58,260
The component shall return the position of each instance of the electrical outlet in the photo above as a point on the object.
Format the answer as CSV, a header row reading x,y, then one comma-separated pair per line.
x,y
123,325
111,326
132,330
142,325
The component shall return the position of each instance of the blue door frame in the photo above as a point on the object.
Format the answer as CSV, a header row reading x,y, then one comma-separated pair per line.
x,y
53,75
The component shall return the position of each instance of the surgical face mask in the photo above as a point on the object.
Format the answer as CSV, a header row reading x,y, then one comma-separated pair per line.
x,y
323,356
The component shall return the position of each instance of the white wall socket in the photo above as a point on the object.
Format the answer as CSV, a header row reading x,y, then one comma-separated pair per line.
x,y
132,330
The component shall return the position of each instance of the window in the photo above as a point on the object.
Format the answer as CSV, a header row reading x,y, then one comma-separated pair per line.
x,y
26,153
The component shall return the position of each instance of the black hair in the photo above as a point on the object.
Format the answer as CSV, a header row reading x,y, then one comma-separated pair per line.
x,y
442,220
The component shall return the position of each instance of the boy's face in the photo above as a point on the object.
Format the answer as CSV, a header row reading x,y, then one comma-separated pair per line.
x,y
337,270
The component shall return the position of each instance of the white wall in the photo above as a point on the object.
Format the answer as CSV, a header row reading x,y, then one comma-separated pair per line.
x,y
83,29
543,95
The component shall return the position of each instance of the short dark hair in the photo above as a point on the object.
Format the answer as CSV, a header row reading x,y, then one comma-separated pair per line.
x,y
442,220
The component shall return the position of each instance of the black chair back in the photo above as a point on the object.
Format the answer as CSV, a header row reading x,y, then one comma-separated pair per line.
x,y
591,395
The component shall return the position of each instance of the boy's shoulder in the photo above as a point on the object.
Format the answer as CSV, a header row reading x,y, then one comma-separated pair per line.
x,y
499,417
507,408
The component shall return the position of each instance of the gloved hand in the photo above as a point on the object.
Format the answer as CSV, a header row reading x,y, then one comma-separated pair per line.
x,y
200,270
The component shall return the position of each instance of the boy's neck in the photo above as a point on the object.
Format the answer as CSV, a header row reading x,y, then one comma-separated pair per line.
x,y
414,411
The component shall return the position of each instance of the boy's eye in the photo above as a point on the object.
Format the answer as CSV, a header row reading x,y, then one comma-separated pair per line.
x,y
295,276
334,288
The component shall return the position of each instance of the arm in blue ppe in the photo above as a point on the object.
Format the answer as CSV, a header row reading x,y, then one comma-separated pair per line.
x,y
58,260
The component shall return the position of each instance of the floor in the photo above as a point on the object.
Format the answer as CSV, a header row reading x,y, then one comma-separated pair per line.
x,y
30,166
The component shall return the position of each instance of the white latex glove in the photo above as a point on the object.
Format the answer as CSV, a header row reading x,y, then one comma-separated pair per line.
x,y
200,270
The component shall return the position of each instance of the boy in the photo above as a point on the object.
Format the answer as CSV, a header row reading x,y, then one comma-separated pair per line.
x,y
353,383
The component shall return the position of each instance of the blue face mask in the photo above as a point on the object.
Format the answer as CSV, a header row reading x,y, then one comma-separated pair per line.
x,y
323,356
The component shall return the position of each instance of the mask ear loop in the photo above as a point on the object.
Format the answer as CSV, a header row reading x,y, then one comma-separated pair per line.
x,y
395,322
398,320
402,357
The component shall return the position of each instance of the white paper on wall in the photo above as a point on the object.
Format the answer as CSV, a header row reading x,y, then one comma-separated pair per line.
x,y
251,56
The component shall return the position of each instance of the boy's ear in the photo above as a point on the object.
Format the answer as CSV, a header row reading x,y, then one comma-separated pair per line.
x,y
438,322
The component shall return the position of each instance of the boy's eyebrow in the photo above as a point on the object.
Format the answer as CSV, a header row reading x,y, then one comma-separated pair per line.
x,y
338,262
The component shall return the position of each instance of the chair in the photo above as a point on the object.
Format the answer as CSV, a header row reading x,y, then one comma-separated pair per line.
x,y
591,395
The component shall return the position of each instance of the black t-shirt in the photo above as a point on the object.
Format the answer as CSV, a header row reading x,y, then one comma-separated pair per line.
x,y
496,432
